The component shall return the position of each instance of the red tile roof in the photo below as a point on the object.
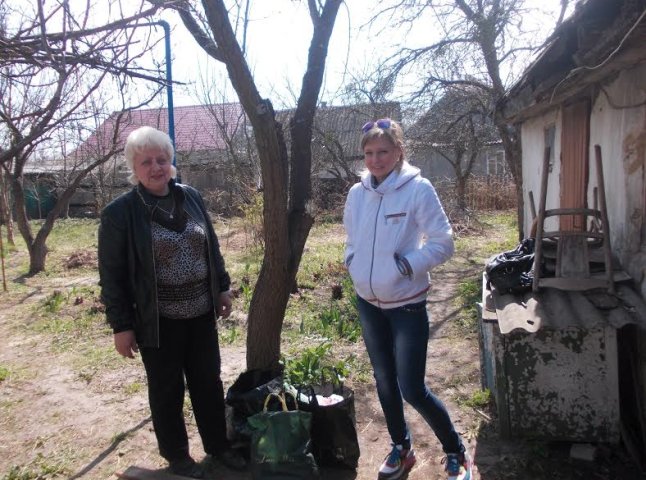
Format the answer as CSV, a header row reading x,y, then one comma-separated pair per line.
x,y
196,127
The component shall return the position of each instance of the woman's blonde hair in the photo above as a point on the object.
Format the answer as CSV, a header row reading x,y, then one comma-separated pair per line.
x,y
388,129
147,138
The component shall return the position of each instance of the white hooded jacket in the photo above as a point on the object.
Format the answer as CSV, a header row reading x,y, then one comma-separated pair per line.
x,y
396,233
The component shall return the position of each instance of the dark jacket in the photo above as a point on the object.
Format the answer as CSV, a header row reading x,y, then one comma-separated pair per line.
x,y
127,266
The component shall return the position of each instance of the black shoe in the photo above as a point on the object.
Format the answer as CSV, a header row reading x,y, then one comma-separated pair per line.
x,y
232,459
186,467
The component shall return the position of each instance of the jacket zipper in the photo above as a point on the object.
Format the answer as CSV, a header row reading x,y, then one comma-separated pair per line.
x,y
152,254
374,239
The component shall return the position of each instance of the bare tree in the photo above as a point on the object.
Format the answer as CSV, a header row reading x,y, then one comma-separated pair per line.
x,y
239,163
286,176
337,161
53,63
370,84
456,127
488,39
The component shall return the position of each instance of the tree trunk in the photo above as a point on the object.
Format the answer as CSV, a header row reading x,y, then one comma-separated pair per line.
x,y
266,313
36,246
287,229
286,218
6,216
37,255
513,155
461,187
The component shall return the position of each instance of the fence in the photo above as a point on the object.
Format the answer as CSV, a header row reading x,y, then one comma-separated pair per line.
x,y
482,193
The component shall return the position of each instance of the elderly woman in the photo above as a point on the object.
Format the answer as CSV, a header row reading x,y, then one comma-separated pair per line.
x,y
164,283
397,232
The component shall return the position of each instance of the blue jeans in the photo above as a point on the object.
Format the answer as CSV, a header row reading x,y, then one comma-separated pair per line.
x,y
397,340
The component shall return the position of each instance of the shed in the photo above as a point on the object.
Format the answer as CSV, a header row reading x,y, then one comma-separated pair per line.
x,y
586,89
553,361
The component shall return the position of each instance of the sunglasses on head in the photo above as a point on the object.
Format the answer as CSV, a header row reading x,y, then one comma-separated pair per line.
x,y
383,123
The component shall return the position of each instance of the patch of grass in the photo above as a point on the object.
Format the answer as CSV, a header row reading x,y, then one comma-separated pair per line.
x,y
455,381
91,357
339,320
252,215
247,281
73,320
230,335
69,234
134,388
313,366
54,302
359,369
6,407
41,468
70,314
479,399
86,375
119,437
4,373
322,260
68,237
503,223
330,216
469,292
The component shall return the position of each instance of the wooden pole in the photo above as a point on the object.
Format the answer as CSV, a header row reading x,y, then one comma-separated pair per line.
x,y
4,276
605,224
540,219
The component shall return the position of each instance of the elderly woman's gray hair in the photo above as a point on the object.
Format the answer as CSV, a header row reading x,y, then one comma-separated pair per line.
x,y
147,138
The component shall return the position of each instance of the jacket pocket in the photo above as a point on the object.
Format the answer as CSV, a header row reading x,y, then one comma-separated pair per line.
x,y
403,265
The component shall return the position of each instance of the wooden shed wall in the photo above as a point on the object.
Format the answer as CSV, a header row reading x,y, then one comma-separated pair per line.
x,y
618,124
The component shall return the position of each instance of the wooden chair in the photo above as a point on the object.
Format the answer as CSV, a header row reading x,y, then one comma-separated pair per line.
x,y
575,251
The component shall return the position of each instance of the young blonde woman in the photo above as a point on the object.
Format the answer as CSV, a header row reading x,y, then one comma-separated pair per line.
x,y
397,232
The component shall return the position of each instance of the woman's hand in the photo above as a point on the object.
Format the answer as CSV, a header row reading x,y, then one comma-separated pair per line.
x,y
224,305
126,344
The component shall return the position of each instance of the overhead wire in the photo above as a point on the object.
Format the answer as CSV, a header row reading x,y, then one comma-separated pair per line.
x,y
606,60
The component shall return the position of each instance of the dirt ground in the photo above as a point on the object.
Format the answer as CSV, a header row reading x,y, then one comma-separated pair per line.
x,y
58,423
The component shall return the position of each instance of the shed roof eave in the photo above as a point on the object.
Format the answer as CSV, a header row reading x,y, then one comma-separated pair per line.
x,y
531,102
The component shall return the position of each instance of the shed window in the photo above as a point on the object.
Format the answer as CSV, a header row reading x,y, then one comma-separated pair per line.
x,y
496,162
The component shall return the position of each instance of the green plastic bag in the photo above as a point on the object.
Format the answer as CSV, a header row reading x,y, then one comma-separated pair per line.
x,y
280,443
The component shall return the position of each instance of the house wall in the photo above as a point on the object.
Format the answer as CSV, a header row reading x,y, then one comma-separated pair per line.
x,y
618,125
491,161
534,141
621,133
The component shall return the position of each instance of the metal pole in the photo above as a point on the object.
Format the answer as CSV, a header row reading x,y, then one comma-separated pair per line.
x,y
169,83
169,86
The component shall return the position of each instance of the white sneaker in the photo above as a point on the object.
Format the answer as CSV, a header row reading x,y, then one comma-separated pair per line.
x,y
398,462
458,466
